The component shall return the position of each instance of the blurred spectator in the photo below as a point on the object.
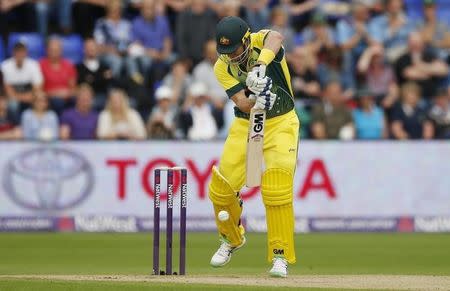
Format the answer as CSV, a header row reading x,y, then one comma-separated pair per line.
x,y
279,21
256,14
161,123
119,120
21,75
368,118
60,77
93,72
331,70
392,29
16,15
332,119
178,80
86,13
421,66
62,9
300,11
439,114
114,35
353,38
226,8
379,76
434,32
409,120
318,36
195,26
8,123
305,82
38,122
152,41
199,119
204,72
80,122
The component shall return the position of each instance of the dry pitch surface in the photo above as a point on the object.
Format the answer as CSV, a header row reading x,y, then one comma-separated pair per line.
x,y
380,282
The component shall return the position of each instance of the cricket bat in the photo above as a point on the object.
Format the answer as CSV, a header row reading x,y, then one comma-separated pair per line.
x,y
255,143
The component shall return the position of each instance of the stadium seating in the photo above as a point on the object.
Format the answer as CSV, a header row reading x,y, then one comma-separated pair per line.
x,y
414,9
33,41
72,48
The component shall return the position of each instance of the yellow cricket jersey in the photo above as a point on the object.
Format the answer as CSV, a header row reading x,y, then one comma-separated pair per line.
x,y
232,77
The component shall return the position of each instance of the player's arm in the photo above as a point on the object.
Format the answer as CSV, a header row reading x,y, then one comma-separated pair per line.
x,y
271,46
234,89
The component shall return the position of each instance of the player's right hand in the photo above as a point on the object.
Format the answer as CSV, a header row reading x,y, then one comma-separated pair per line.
x,y
264,101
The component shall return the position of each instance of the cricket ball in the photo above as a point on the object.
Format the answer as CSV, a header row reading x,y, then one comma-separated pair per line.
x,y
223,215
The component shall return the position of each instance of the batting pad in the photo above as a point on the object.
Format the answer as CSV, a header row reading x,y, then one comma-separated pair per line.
x,y
224,198
277,192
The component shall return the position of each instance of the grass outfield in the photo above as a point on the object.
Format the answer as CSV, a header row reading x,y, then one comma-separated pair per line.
x,y
115,254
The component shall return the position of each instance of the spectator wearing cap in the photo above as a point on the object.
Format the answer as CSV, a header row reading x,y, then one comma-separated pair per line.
x,y
80,122
60,77
435,33
8,123
199,119
21,75
119,121
113,34
439,114
319,36
421,66
194,27
94,73
409,119
391,29
353,37
161,122
379,76
151,41
38,122
368,117
204,72
331,119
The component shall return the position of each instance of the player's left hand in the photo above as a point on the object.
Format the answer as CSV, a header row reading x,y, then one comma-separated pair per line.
x,y
264,101
258,85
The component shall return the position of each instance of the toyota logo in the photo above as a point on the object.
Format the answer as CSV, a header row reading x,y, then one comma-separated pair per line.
x,y
48,178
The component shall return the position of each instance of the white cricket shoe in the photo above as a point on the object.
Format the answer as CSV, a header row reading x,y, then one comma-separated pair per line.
x,y
223,254
279,268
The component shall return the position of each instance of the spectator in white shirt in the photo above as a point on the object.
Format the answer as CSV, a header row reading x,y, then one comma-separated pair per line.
x,y
161,123
22,76
119,120
201,120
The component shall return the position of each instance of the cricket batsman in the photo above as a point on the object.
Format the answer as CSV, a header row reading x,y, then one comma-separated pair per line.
x,y
252,69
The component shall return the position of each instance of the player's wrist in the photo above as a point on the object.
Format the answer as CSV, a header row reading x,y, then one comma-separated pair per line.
x,y
265,57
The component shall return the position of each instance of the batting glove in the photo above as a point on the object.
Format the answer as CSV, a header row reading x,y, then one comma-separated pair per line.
x,y
257,84
264,101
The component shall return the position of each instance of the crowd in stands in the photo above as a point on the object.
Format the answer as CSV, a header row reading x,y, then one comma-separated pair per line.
x,y
361,69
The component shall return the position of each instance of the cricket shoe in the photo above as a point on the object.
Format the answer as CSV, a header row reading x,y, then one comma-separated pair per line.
x,y
223,254
279,268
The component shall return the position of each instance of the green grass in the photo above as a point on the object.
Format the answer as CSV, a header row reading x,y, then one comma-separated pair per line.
x,y
82,253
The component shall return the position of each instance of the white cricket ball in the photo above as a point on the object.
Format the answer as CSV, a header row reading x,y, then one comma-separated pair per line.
x,y
223,215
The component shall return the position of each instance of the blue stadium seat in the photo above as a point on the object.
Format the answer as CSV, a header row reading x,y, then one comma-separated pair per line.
x,y
414,9
73,48
33,41
2,50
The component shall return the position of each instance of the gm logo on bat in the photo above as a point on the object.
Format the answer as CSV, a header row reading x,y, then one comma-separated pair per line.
x,y
258,123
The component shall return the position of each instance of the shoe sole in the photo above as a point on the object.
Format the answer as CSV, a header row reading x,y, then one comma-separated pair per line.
x,y
278,275
229,258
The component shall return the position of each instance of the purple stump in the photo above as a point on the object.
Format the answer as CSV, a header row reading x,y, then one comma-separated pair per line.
x,y
169,222
183,208
156,208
